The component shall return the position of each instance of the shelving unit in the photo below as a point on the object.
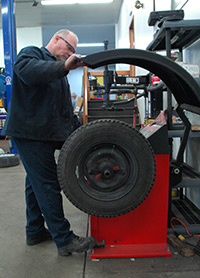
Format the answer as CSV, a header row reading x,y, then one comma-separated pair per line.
x,y
180,35
175,35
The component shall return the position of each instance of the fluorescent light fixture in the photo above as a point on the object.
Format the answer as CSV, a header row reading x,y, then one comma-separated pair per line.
x,y
90,44
64,2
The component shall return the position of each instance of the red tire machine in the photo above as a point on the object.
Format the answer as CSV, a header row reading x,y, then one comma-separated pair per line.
x,y
143,231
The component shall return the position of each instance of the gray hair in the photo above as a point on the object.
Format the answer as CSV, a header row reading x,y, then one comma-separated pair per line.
x,y
65,32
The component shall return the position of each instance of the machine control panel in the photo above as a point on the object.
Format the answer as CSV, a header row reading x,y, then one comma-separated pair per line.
x,y
157,134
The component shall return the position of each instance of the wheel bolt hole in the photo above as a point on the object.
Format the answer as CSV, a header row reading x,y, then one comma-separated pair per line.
x,y
107,174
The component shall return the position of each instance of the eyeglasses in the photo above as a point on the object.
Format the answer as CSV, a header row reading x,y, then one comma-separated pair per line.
x,y
68,44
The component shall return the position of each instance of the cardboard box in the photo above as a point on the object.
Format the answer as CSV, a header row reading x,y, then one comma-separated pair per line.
x,y
78,105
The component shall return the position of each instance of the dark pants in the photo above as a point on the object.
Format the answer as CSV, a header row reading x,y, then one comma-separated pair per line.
x,y
43,197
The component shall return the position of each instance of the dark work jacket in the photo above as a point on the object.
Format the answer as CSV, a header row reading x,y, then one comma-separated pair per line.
x,y
40,106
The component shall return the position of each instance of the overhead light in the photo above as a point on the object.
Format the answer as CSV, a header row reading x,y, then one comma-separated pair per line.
x,y
89,44
64,2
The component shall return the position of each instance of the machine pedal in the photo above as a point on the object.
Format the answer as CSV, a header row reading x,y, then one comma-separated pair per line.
x,y
100,244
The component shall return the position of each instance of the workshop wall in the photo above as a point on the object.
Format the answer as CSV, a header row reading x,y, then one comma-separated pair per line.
x,y
28,36
24,37
1,49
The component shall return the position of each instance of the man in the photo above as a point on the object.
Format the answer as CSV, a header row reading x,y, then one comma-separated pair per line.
x,y
40,119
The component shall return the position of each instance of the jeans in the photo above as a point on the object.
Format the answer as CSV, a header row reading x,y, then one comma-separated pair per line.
x,y
42,191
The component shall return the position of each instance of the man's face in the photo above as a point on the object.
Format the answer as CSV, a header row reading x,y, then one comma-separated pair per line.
x,y
65,46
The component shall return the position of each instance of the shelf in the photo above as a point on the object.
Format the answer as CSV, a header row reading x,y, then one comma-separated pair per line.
x,y
183,34
179,133
177,34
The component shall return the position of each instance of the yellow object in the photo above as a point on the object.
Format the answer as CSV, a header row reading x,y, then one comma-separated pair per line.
x,y
100,80
1,102
174,192
181,237
91,95
148,120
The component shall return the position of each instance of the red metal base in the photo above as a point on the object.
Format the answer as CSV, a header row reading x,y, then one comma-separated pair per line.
x,y
141,232
131,251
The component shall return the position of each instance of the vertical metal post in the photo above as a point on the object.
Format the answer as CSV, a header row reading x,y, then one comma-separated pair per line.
x,y
107,88
154,5
8,23
169,94
9,38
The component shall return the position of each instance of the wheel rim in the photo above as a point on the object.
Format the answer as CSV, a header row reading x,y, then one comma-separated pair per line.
x,y
107,172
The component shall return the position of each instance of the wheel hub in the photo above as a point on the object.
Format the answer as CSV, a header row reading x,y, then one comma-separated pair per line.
x,y
107,172
106,168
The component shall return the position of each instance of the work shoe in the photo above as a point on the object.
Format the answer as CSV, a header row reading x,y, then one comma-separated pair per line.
x,y
78,244
44,236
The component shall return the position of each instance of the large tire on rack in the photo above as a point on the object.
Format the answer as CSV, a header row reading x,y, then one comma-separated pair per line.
x,y
106,168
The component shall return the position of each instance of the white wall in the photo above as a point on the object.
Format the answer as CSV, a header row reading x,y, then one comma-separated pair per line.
x,y
28,36
1,49
192,9
24,37
161,5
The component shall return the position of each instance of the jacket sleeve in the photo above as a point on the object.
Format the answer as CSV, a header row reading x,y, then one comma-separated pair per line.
x,y
32,69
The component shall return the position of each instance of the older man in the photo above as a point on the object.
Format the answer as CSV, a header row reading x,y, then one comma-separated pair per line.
x,y
40,119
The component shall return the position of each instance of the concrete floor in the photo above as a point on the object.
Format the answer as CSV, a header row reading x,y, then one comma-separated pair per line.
x,y
41,261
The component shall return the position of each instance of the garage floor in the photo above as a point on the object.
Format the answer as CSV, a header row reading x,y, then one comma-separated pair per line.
x,y
20,261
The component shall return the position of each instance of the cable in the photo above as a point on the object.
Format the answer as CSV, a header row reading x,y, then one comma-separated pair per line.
x,y
3,141
184,4
197,247
180,236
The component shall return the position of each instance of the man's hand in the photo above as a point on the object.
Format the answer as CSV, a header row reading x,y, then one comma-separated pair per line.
x,y
73,62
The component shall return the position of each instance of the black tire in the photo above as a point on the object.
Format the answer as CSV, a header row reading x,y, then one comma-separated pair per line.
x,y
106,168
8,160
